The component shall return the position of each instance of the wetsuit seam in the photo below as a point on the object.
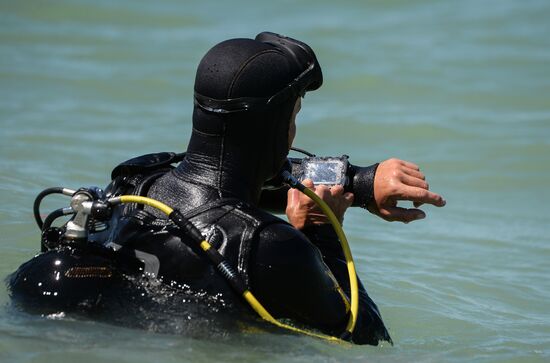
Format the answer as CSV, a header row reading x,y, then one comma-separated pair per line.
x,y
243,66
204,133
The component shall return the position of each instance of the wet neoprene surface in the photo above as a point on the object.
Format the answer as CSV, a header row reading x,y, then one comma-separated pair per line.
x,y
231,156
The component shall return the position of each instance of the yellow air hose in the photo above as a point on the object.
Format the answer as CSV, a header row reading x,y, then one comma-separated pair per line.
x,y
235,280
354,290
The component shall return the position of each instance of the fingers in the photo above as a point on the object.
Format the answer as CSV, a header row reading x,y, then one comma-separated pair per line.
x,y
397,214
415,178
412,169
293,196
420,195
414,173
349,198
335,197
308,183
397,180
414,182
414,186
323,191
409,165
338,193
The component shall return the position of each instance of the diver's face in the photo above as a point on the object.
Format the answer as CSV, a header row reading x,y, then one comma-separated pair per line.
x,y
292,126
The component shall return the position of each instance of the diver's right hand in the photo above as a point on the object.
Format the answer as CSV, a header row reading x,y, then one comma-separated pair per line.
x,y
303,211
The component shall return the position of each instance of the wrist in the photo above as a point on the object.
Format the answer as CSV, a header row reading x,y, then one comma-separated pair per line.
x,y
362,184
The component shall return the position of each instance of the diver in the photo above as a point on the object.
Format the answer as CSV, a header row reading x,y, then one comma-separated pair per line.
x,y
247,95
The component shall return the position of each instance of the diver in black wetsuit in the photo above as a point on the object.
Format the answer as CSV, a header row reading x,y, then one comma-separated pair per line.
x,y
234,148
247,95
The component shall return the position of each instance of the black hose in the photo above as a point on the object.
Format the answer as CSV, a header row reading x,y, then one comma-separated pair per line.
x,y
52,217
307,153
38,200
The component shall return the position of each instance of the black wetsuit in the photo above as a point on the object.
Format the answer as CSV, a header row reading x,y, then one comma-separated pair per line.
x,y
300,275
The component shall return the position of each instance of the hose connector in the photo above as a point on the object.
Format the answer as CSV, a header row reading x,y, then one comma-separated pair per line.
x,y
292,181
86,203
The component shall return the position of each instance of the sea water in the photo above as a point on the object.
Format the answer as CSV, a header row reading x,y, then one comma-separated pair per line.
x,y
462,88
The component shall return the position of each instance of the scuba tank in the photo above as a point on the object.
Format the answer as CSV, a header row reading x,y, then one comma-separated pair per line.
x,y
76,267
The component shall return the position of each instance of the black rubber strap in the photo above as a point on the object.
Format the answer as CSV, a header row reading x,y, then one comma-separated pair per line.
x,y
146,163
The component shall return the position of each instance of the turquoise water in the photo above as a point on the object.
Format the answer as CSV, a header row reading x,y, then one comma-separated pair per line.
x,y
461,88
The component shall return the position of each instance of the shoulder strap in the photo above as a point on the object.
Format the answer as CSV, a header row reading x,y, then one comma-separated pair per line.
x,y
146,163
135,176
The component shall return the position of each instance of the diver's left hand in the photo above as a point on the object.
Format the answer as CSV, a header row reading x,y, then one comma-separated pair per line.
x,y
303,211
397,180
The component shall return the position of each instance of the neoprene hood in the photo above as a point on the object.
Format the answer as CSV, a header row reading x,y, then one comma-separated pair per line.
x,y
245,93
299,56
